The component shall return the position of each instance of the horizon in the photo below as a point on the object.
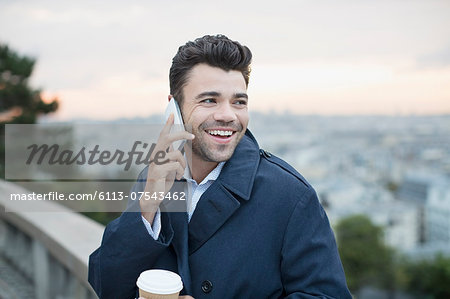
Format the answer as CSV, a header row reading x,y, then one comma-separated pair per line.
x,y
47,119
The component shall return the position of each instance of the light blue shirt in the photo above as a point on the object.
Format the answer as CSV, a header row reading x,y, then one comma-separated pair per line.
x,y
196,190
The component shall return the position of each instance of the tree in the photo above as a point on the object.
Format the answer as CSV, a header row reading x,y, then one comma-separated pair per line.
x,y
429,278
365,257
19,103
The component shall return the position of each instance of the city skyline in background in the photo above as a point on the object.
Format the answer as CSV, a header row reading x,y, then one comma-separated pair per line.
x,y
109,61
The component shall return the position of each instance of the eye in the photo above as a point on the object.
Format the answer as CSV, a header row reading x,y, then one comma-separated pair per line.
x,y
208,101
242,102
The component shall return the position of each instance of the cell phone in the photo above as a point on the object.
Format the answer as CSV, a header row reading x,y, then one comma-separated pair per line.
x,y
173,107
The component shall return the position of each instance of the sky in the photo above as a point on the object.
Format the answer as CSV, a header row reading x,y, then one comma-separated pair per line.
x,y
110,59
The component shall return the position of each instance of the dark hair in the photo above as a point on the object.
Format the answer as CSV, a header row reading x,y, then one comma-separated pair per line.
x,y
214,50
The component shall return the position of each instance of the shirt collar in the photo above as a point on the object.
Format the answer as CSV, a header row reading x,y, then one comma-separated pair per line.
x,y
212,176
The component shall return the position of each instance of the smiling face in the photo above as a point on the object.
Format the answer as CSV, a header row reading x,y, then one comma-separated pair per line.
x,y
215,106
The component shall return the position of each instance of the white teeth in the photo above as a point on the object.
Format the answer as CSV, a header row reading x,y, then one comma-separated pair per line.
x,y
220,132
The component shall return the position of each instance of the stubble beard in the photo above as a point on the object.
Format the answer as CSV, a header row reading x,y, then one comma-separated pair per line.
x,y
221,152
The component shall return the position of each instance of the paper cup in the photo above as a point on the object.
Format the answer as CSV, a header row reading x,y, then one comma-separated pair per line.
x,y
159,284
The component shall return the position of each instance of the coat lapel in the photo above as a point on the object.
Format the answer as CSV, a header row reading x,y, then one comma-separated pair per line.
x,y
226,194
179,223
176,211
214,208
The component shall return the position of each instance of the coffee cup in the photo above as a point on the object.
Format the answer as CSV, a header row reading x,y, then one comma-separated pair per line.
x,y
159,284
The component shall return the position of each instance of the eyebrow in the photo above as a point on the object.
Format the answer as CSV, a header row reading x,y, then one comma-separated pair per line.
x,y
217,94
241,95
207,94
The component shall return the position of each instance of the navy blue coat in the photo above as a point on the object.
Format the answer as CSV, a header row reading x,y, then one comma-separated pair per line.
x,y
259,231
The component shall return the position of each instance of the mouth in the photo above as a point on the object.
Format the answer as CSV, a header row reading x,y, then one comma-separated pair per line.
x,y
221,135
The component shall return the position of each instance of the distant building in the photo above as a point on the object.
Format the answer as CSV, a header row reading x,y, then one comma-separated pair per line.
x,y
414,190
400,222
343,198
437,210
415,187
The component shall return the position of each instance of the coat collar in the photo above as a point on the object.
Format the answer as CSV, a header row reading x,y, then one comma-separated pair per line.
x,y
224,196
239,172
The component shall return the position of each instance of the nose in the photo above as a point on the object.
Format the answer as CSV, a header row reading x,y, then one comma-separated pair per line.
x,y
225,113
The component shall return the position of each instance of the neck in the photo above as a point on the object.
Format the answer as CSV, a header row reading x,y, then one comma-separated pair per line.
x,y
199,167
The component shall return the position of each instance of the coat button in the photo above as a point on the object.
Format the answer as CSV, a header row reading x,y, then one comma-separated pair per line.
x,y
206,286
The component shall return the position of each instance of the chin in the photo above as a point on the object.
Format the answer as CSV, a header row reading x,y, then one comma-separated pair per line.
x,y
222,157
215,156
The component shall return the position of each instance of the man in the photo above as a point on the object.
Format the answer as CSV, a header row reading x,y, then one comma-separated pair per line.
x,y
254,229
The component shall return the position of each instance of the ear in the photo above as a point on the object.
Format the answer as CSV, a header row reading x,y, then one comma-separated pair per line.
x,y
169,97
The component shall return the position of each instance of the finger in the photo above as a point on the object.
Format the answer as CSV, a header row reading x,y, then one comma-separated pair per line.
x,y
168,125
180,172
170,148
180,135
175,168
176,156
164,157
165,141
164,170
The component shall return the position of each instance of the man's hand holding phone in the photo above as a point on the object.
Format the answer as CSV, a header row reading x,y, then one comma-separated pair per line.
x,y
160,177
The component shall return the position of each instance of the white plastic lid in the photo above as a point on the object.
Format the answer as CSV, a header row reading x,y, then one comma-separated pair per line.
x,y
160,282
